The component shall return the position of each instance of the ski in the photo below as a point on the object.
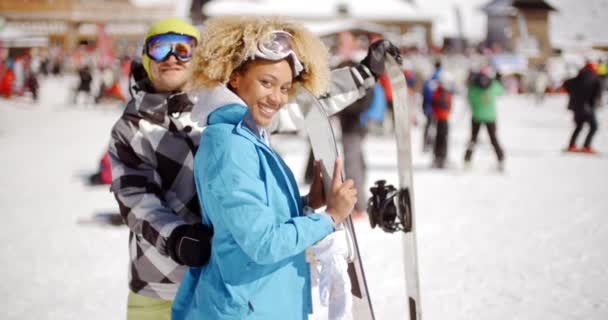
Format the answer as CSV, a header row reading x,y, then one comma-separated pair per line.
x,y
322,139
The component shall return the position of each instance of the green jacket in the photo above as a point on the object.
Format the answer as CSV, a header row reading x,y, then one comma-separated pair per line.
x,y
483,101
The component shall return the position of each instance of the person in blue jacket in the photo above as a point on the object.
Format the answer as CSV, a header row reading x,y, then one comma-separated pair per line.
x,y
249,68
428,88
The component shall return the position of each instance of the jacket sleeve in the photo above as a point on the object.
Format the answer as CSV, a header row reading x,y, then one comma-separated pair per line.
x,y
568,85
596,93
137,191
470,96
235,198
347,85
498,88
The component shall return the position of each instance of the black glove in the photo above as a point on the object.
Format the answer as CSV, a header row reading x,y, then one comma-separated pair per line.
x,y
376,54
190,244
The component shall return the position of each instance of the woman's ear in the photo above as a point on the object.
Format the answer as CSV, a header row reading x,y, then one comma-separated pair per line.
x,y
233,81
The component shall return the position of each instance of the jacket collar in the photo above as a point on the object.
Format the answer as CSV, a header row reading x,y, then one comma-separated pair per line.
x,y
238,115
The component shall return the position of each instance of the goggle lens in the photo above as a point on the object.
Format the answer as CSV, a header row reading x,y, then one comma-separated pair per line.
x,y
279,43
160,47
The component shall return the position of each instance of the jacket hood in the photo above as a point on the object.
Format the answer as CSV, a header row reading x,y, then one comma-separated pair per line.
x,y
220,105
209,100
157,107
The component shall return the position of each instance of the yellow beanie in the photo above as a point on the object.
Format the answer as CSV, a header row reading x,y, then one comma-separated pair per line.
x,y
168,25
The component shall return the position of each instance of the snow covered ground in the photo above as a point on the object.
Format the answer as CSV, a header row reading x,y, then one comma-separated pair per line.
x,y
526,244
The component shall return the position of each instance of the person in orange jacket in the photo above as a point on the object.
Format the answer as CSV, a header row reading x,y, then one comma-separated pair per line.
x,y
6,83
441,104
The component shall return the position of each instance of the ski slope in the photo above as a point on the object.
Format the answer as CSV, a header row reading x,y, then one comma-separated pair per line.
x,y
526,244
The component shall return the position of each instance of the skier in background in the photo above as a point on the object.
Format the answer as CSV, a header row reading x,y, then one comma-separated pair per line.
x,y
428,88
7,78
19,68
353,134
104,175
84,84
584,93
482,92
441,104
540,84
373,118
31,82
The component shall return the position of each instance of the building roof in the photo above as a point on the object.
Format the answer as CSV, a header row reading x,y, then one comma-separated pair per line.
x,y
533,4
379,10
333,26
93,12
508,7
14,37
499,7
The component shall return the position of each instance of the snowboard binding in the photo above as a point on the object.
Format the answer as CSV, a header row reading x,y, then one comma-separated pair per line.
x,y
389,208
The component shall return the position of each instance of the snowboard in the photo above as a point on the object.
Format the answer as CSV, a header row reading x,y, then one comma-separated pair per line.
x,y
325,149
391,209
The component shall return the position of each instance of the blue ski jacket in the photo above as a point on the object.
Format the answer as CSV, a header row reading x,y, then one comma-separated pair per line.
x,y
427,91
257,269
376,109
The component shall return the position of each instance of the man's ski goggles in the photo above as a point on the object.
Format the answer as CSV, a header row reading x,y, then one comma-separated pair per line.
x,y
161,46
277,46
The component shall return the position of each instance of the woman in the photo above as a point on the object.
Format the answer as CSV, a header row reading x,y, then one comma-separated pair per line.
x,y
257,270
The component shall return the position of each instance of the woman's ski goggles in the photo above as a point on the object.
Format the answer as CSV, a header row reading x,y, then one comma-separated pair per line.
x,y
277,46
161,46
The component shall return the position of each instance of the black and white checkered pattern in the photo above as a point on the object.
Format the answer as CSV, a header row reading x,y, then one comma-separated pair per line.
x,y
152,150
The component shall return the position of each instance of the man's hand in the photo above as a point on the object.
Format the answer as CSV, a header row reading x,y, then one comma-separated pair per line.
x,y
376,54
190,244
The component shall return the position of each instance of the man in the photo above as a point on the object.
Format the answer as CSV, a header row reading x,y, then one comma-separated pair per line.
x,y
584,91
151,152
152,149
353,134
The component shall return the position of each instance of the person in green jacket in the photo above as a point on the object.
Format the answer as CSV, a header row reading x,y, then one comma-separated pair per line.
x,y
482,92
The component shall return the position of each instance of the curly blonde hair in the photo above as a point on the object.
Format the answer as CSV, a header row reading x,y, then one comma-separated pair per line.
x,y
225,42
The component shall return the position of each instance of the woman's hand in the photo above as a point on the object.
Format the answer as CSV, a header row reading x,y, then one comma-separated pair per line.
x,y
342,197
316,195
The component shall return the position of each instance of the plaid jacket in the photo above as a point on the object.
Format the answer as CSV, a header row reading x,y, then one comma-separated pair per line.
x,y
152,151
